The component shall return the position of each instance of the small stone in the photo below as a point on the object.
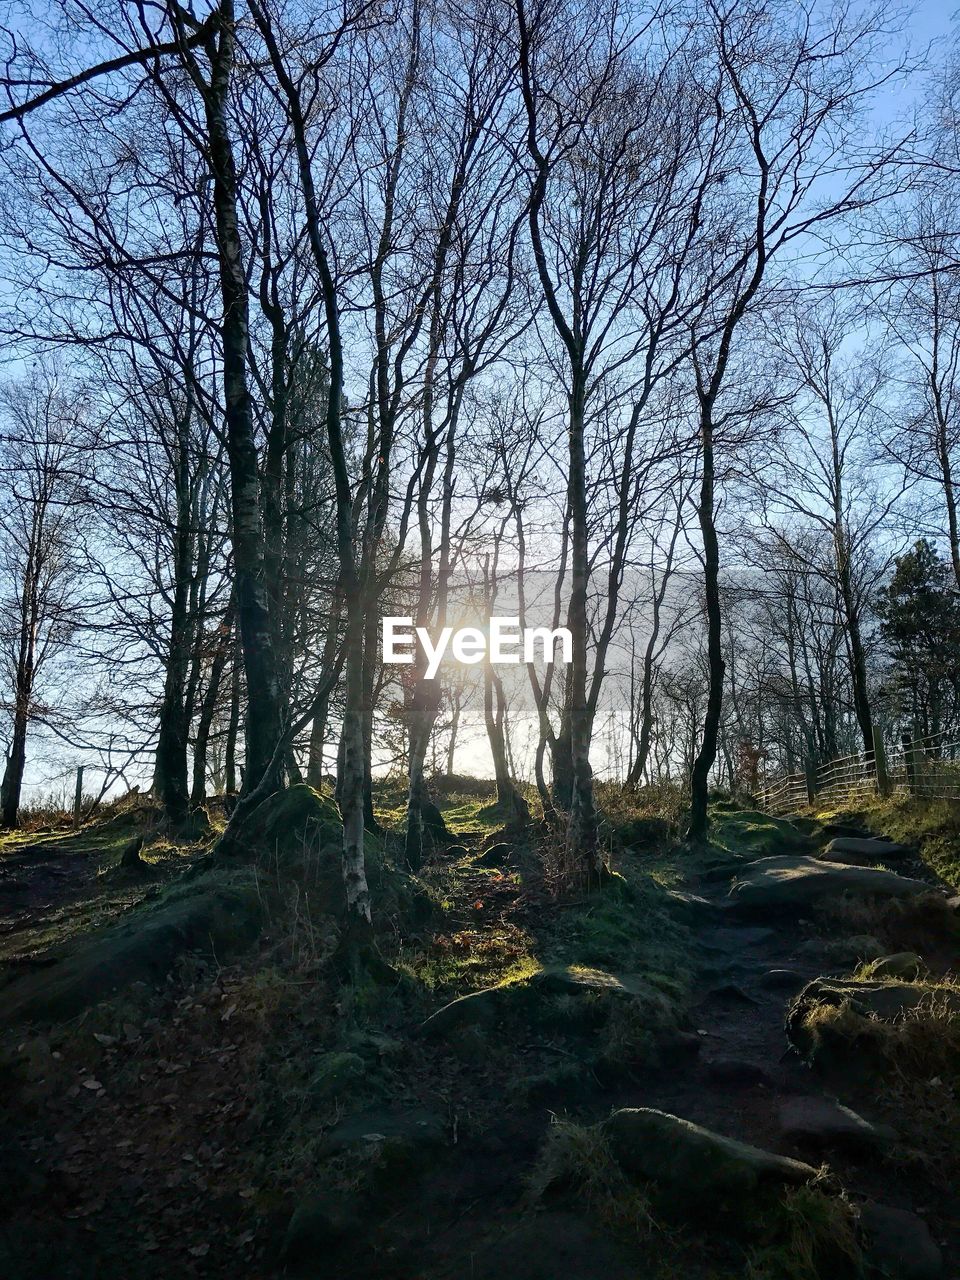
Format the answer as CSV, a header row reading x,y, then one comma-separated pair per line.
x,y
905,966
729,991
820,1123
738,1071
899,1243
677,1046
781,980
498,855
416,1128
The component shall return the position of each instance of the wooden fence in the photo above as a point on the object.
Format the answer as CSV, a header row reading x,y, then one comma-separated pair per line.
x,y
920,766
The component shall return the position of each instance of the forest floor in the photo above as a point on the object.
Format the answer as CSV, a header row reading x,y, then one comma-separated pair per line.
x,y
185,1092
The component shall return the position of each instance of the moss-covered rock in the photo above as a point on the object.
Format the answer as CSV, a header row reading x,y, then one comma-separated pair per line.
x,y
905,966
294,823
565,998
793,884
643,832
760,833
298,834
335,1073
696,1173
870,1023
863,852
219,916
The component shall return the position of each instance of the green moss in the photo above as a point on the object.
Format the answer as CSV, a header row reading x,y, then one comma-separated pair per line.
x,y
291,823
761,834
932,825
336,1074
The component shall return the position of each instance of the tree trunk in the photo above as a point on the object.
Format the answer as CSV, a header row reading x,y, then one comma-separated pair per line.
x,y
508,797
423,713
858,662
351,779
13,772
582,848
263,719
700,773
318,734
370,630
208,708
233,722
454,729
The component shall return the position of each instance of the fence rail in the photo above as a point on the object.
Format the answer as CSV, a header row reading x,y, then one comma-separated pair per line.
x,y
926,766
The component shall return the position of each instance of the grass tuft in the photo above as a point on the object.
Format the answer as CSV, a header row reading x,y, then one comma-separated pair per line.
x,y
575,1159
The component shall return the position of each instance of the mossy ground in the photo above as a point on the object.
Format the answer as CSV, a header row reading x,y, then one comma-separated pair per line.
x,y
930,825
223,1086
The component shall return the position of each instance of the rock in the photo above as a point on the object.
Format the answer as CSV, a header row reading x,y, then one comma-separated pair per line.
x,y
375,1046
433,819
387,1142
854,830
850,951
497,855
290,824
335,1074
546,1245
793,885
858,852
761,833
819,1123
898,1243
738,1071
676,1047
726,941
866,1005
905,965
219,918
318,1225
729,992
691,907
644,832
130,857
697,1172
456,852
859,947
486,1006
781,980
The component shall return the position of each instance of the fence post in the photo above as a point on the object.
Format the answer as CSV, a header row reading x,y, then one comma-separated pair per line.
x,y
810,775
880,763
909,763
78,798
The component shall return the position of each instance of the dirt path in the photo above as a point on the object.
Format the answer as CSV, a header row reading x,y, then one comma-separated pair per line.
x,y
737,1084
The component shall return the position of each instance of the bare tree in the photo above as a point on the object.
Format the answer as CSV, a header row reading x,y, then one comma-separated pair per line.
x,y
42,475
